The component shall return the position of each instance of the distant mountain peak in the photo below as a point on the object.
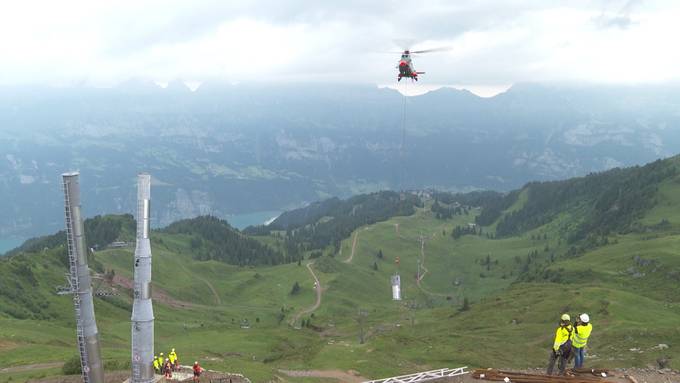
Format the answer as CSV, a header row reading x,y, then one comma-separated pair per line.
x,y
177,86
138,84
448,91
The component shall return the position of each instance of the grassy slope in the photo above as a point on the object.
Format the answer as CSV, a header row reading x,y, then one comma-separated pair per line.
x,y
509,324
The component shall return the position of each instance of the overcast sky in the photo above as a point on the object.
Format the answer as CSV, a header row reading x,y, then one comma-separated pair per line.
x,y
494,43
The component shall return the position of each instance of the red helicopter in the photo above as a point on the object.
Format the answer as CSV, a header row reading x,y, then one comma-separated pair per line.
x,y
405,66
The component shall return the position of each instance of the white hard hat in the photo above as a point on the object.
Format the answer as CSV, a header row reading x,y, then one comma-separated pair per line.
x,y
585,318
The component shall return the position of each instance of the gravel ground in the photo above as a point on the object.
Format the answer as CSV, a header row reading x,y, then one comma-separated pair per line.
x,y
122,376
616,376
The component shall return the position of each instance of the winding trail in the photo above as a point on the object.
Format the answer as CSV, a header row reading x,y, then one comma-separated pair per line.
x,y
30,367
218,300
316,305
396,229
354,247
422,262
161,296
422,239
343,376
425,271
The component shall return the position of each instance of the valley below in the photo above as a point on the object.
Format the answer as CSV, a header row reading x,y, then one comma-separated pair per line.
x,y
313,291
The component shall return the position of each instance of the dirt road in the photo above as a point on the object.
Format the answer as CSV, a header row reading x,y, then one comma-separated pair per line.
x,y
162,296
354,247
316,305
158,294
342,376
423,269
31,367
216,296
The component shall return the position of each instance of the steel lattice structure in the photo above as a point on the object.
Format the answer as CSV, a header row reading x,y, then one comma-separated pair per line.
x,y
423,376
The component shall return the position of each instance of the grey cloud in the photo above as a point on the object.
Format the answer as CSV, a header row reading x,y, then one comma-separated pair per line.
x,y
130,33
339,39
620,19
622,22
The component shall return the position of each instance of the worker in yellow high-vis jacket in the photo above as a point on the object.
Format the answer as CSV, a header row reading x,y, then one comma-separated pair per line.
x,y
174,360
161,361
561,346
156,365
579,338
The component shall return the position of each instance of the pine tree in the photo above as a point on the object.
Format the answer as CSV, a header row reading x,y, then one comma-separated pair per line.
x,y
296,289
465,306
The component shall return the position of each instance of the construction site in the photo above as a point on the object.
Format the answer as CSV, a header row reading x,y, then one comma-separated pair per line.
x,y
146,367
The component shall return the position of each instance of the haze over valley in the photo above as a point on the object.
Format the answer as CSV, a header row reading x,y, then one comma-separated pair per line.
x,y
241,149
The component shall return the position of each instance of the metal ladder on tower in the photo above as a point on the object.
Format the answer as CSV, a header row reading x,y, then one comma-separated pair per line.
x,y
75,287
136,368
136,372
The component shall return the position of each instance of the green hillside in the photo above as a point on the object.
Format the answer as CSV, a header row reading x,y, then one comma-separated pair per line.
x,y
603,244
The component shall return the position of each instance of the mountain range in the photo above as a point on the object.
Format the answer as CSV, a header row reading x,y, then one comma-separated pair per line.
x,y
229,149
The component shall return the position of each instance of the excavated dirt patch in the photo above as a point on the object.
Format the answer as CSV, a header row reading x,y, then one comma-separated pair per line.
x,y
341,376
157,294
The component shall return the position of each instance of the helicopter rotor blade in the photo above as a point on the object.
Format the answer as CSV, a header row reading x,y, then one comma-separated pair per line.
x,y
404,43
440,49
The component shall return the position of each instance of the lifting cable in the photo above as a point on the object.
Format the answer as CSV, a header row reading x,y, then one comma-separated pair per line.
x,y
403,138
